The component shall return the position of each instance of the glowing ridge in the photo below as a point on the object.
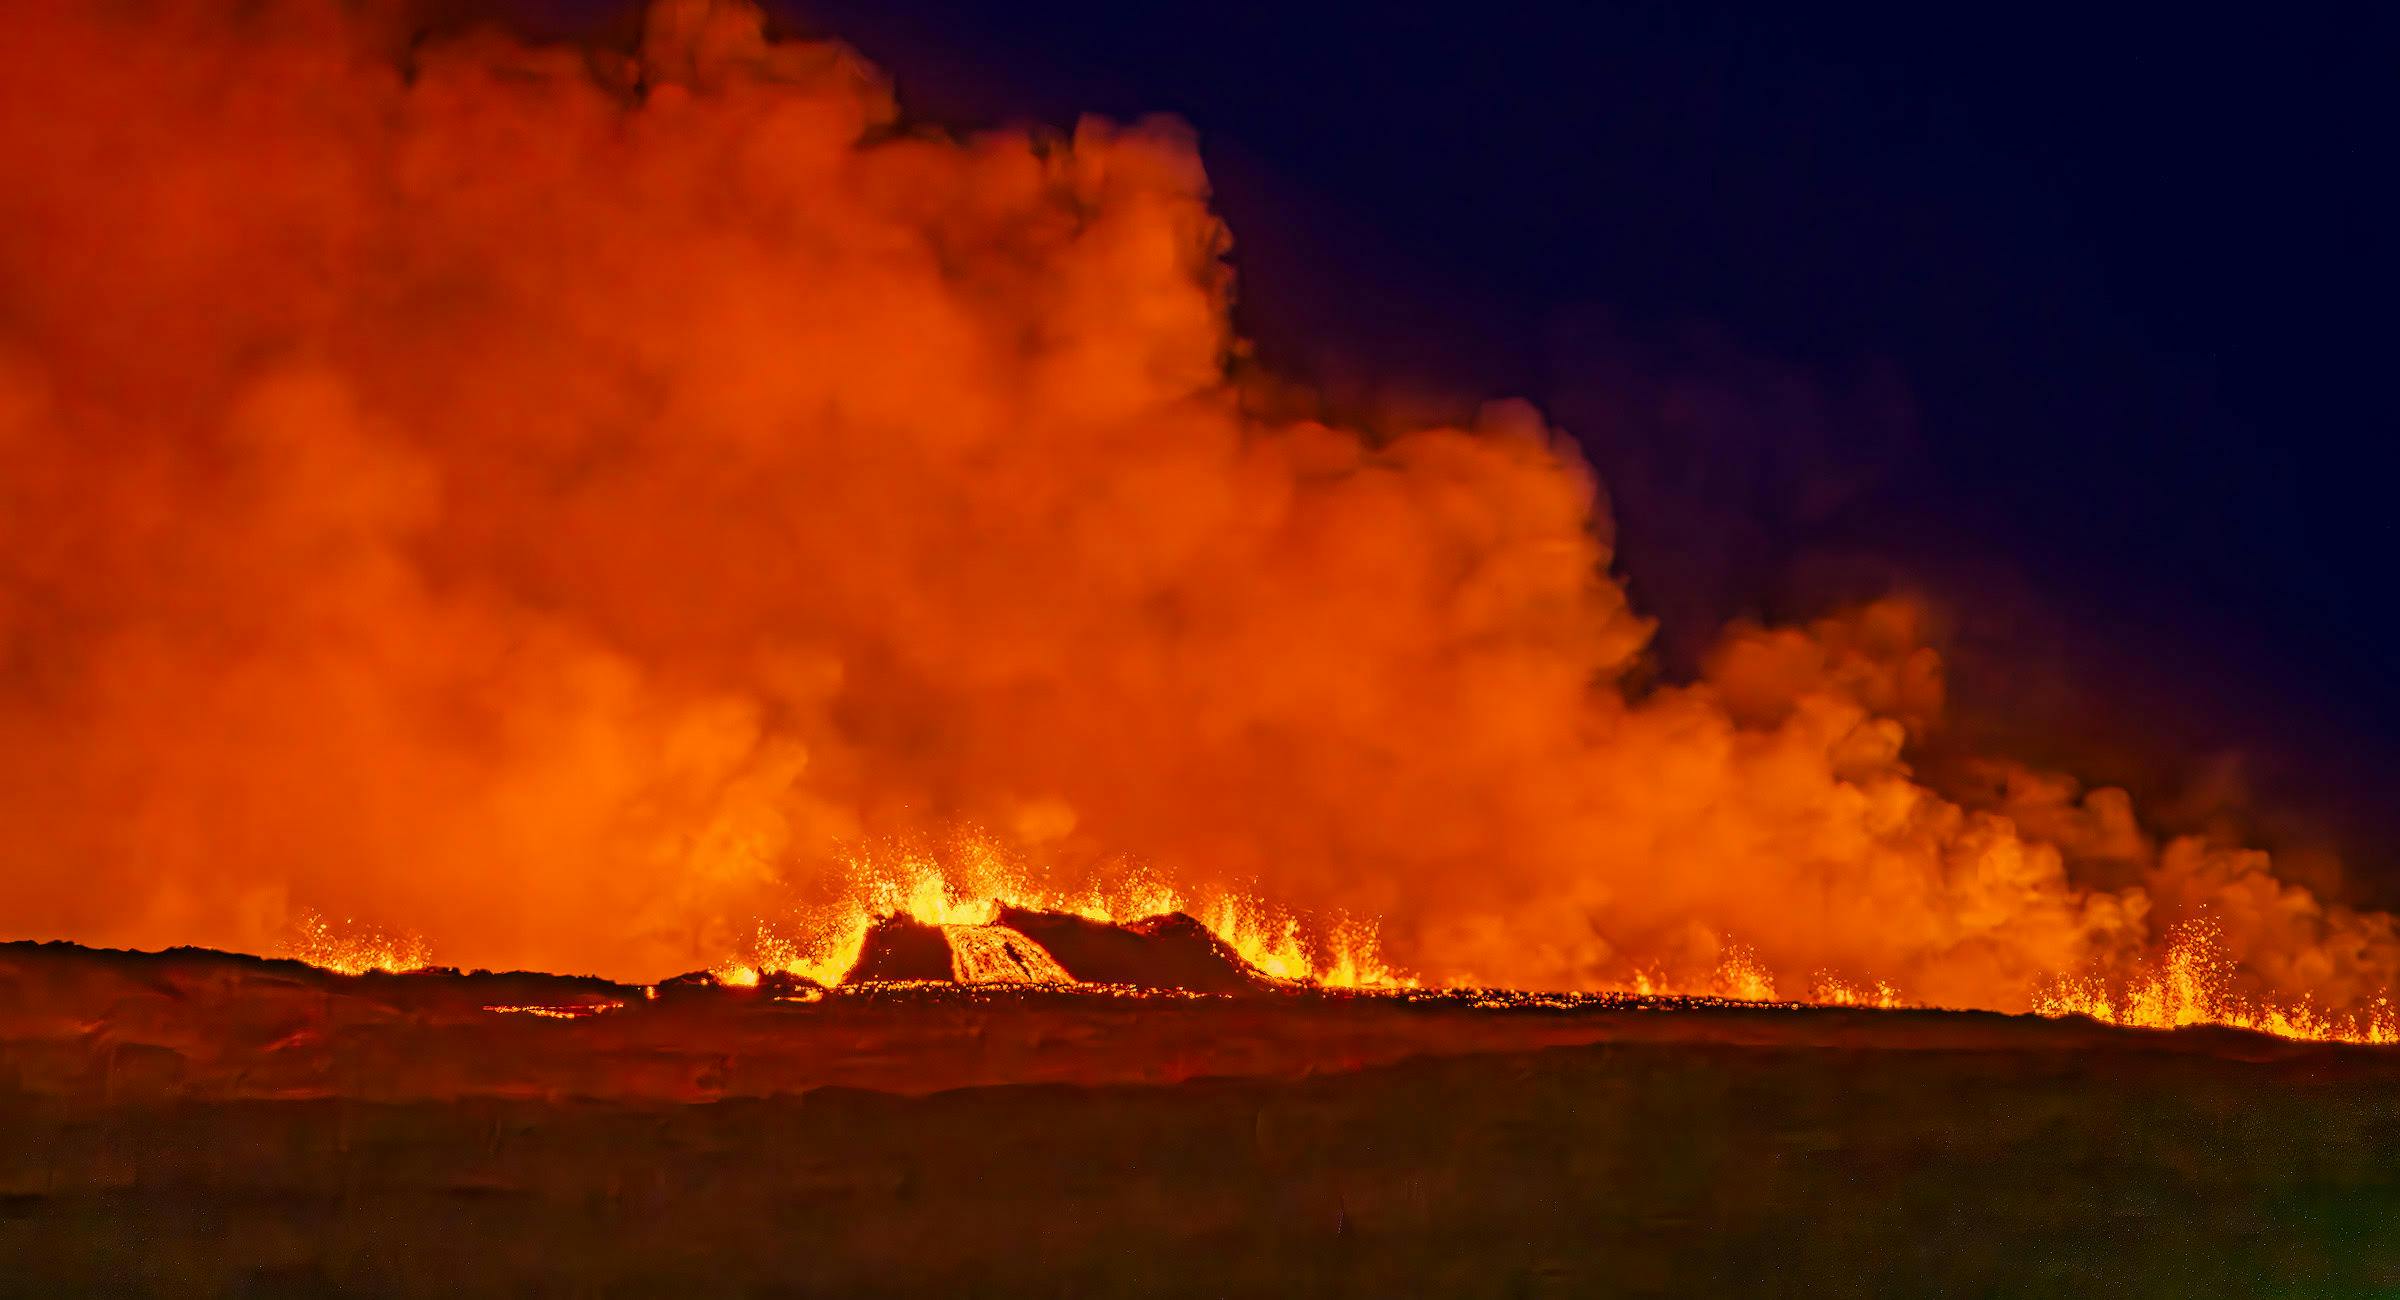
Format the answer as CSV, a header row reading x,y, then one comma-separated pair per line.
x,y
961,891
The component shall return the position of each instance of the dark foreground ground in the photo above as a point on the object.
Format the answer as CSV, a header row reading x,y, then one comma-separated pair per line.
x,y
195,1124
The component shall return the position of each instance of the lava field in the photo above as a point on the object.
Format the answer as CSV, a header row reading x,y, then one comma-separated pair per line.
x,y
198,1122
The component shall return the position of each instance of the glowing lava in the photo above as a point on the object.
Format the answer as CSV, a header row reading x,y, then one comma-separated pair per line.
x,y
961,894
2192,983
963,888
351,948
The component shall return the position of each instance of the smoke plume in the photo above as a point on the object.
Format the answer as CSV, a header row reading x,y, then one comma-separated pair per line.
x,y
563,501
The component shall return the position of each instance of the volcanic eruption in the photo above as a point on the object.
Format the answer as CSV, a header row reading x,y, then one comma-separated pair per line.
x,y
475,508
573,506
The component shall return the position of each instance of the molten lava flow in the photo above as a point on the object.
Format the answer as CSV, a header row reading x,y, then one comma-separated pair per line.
x,y
993,954
563,1011
563,500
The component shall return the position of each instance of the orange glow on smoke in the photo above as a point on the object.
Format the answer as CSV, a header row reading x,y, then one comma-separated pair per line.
x,y
562,501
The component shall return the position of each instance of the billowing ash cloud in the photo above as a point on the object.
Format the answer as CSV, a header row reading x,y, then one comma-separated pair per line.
x,y
560,502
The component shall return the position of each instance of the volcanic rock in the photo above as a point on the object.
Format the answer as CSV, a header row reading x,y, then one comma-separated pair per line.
x,y
698,983
900,947
702,983
785,984
1168,951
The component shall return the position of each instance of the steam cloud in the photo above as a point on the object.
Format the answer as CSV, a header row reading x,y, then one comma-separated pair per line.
x,y
559,501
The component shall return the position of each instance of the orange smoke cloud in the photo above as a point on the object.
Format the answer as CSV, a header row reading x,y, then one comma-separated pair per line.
x,y
562,502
